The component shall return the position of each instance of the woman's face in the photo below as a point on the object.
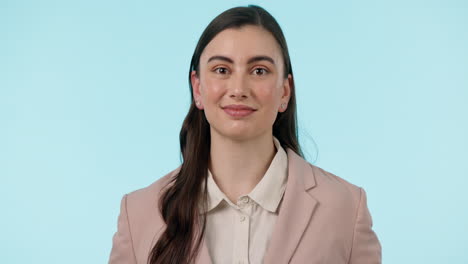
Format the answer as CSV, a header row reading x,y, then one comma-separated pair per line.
x,y
241,69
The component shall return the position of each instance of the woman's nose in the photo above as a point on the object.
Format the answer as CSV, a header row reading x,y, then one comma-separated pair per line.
x,y
239,86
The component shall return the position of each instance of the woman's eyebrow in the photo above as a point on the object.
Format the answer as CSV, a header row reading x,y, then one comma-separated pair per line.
x,y
223,58
260,58
251,60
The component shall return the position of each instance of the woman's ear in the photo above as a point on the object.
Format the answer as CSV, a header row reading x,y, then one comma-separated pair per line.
x,y
287,84
195,80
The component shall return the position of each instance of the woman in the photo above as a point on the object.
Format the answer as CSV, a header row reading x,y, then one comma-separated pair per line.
x,y
243,193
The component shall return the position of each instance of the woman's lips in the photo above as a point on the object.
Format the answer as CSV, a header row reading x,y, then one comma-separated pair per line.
x,y
238,110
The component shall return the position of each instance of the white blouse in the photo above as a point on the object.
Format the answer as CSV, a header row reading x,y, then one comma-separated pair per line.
x,y
239,233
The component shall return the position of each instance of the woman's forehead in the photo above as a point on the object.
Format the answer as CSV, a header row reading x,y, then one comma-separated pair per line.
x,y
242,44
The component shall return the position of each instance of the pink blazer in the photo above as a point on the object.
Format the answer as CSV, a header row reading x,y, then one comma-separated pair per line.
x,y
323,219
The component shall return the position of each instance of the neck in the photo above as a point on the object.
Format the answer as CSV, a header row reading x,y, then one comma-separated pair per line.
x,y
238,165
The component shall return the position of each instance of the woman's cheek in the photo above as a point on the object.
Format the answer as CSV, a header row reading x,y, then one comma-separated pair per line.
x,y
214,87
268,94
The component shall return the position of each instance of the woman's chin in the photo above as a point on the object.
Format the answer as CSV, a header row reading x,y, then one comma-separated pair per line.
x,y
237,133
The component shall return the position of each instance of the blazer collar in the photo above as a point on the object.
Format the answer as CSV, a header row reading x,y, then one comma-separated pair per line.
x,y
295,212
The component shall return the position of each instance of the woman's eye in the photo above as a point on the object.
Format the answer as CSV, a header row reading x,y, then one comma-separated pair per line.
x,y
260,71
221,70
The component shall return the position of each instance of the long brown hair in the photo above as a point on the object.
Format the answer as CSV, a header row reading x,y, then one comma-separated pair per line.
x,y
179,204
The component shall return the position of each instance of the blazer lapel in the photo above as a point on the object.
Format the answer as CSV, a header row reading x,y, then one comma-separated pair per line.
x,y
295,212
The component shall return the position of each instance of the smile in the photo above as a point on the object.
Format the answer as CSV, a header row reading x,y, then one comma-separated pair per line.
x,y
238,110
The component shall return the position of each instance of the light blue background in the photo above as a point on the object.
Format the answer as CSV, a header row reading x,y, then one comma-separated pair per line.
x,y
93,94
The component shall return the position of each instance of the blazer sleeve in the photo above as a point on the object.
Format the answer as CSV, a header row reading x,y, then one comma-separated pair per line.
x,y
122,245
366,248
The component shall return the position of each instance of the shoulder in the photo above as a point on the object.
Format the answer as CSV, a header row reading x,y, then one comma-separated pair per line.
x,y
346,214
152,190
333,188
322,184
339,200
329,179
142,205
140,219
148,197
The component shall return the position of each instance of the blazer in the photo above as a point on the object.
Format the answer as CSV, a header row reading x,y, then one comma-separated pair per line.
x,y
323,219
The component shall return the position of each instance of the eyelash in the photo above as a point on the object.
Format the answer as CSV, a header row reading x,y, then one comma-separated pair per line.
x,y
265,71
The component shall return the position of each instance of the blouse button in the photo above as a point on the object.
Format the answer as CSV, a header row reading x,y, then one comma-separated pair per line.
x,y
245,199
242,218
